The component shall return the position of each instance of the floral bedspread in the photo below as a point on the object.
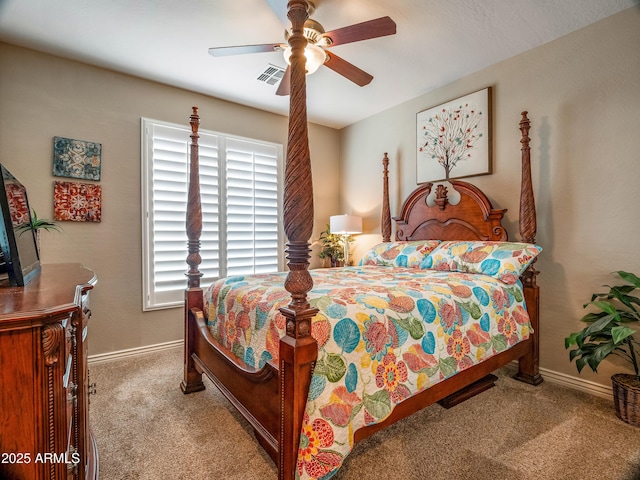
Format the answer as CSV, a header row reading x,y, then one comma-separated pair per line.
x,y
384,334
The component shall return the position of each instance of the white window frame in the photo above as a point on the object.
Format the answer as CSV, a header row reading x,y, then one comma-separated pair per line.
x,y
152,299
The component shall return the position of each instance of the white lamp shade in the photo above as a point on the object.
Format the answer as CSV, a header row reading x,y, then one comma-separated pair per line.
x,y
345,224
315,55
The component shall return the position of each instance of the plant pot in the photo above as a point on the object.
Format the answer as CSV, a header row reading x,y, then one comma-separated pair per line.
x,y
626,396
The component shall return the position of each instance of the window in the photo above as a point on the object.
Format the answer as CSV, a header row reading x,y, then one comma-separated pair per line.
x,y
240,196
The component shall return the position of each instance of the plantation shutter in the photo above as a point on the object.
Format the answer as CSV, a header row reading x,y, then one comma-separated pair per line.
x,y
252,207
246,198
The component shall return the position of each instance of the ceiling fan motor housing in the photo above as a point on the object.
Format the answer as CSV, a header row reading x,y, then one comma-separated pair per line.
x,y
313,32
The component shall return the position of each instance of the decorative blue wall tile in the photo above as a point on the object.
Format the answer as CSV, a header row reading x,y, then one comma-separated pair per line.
x,y
76,158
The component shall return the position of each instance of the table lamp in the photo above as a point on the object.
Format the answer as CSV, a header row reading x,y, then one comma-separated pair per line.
x,y
345,225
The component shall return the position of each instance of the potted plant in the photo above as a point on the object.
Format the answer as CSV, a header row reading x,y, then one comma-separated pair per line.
x,y
38,224
611,330
332,247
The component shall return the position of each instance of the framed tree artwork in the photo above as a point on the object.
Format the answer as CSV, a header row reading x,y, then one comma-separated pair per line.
x,y
454,139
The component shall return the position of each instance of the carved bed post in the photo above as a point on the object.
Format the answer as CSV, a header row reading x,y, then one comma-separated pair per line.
x,y
528,223
385,221
298,350
192,381
528,370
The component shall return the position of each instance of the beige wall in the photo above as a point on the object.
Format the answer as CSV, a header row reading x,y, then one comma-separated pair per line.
x,y
582,92
43,96
583,97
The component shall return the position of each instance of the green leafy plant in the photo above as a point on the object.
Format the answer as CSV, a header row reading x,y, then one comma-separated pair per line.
x,y
611,328
38,224
332,246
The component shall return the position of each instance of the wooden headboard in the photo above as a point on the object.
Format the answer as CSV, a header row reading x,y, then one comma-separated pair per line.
x,y
472,218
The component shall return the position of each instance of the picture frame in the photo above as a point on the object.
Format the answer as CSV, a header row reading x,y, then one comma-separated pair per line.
x,y
17,238
77,202
454,138
77,158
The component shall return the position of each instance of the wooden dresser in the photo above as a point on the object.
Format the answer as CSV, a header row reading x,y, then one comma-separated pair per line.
x,y
44,380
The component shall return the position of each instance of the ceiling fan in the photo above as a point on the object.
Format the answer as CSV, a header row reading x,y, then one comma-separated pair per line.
x,y
319,42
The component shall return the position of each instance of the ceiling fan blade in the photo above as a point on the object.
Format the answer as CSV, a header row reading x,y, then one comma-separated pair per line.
x,y
380,27
244,49
279,7
285,84
347,70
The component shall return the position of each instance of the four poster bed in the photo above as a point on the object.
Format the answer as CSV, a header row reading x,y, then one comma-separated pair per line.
x,y
317,361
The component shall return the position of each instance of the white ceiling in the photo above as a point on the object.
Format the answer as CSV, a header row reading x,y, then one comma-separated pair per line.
x,y
437,41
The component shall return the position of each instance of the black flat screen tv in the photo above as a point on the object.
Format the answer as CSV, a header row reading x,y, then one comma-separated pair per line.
x,y
17,239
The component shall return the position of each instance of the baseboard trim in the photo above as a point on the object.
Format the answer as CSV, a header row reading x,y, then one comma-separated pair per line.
x,y
132,352
550,376
577,383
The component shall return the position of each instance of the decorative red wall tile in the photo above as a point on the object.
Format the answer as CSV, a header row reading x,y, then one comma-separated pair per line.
x,y
77,202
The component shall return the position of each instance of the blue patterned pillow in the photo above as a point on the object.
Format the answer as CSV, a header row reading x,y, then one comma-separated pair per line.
x,y
505,261
400,254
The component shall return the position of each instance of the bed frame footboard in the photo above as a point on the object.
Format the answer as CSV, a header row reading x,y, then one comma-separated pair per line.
x,y
253,392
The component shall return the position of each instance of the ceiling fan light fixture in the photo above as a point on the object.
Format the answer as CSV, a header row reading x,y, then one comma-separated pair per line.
x,y
314,54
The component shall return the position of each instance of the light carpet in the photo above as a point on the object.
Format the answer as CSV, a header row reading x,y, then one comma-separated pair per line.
x,y
146,428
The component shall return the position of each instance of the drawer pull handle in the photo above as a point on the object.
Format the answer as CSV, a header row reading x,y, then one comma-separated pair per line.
x,y
71,334
72,467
